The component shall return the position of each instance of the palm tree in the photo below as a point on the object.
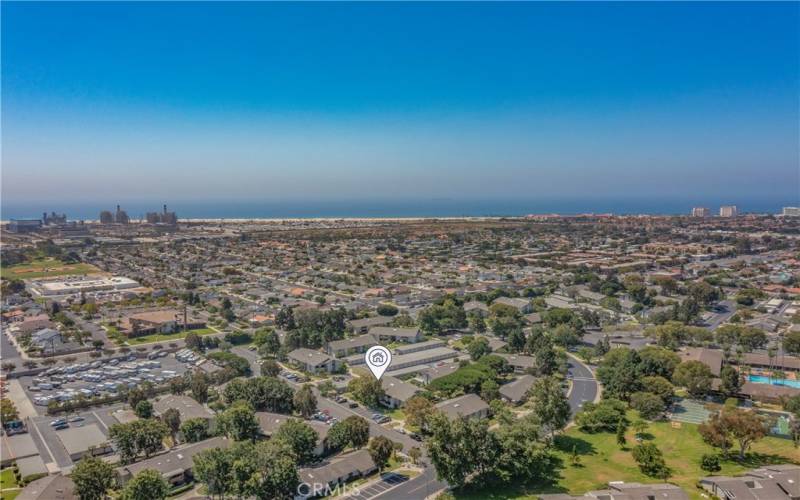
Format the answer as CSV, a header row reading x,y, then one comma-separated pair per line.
x,y
771,352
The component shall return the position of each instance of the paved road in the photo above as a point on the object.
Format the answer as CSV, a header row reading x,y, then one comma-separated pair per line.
x,y
727,309
584,385
388,481
418,488
8,352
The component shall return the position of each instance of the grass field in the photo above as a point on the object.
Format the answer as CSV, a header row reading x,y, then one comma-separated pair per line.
x,y
9,488
9,494
46,268
602,460
147,339
7,479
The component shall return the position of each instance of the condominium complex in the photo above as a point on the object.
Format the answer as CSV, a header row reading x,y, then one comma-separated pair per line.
x,y
791,211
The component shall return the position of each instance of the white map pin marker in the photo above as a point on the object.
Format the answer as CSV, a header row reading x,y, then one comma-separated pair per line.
x,y
378,359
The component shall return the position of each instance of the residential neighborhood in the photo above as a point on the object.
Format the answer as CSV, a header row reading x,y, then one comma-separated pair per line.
x,y
630,365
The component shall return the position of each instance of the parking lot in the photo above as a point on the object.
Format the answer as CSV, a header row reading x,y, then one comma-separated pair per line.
x,y
101,377
45,434
387,482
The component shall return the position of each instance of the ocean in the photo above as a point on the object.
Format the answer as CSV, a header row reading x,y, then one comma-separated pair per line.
x,y
271,209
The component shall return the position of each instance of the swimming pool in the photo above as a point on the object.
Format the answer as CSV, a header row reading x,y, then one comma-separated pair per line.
x,y
761,379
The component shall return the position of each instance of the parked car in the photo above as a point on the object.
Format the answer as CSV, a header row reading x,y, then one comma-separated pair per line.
x,y
415,436
353,405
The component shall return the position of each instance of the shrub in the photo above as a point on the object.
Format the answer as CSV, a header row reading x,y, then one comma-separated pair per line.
x,y
710,463
603,416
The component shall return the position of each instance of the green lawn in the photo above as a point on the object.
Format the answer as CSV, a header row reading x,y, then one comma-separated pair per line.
x,y
9,494
396,414
46,268
148,339
7,479
602,461
8,484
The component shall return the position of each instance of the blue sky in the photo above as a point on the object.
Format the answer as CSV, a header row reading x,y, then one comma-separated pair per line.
x,y
195,101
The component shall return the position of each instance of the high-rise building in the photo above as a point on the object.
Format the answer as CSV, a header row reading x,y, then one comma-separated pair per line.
x,y
121,216
169,218
24,225
106,217
53,218
728,211
701,212
791,211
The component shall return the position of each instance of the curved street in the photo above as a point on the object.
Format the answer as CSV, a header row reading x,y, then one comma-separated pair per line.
x,y
584,385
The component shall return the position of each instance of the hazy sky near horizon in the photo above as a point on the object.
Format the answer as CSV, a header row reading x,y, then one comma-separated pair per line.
x,y
182,101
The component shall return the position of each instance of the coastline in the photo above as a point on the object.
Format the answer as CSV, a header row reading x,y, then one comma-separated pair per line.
x,y
542,216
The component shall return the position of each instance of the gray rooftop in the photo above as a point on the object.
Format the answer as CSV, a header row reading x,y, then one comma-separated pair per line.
x,y
177,460
80,439
420,346
386,331
519,360
367,322
466,405
359,462
515,391
54,487
774,482
309,356
398,389
186,406
365,340
619,490
270,422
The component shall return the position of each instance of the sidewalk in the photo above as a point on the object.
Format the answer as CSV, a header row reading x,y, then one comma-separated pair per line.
x,y
17,396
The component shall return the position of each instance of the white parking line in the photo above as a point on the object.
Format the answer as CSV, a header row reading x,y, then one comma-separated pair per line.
x,y
43,440
100,421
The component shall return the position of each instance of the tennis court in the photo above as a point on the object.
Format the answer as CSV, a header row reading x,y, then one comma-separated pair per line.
x,y
689,411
